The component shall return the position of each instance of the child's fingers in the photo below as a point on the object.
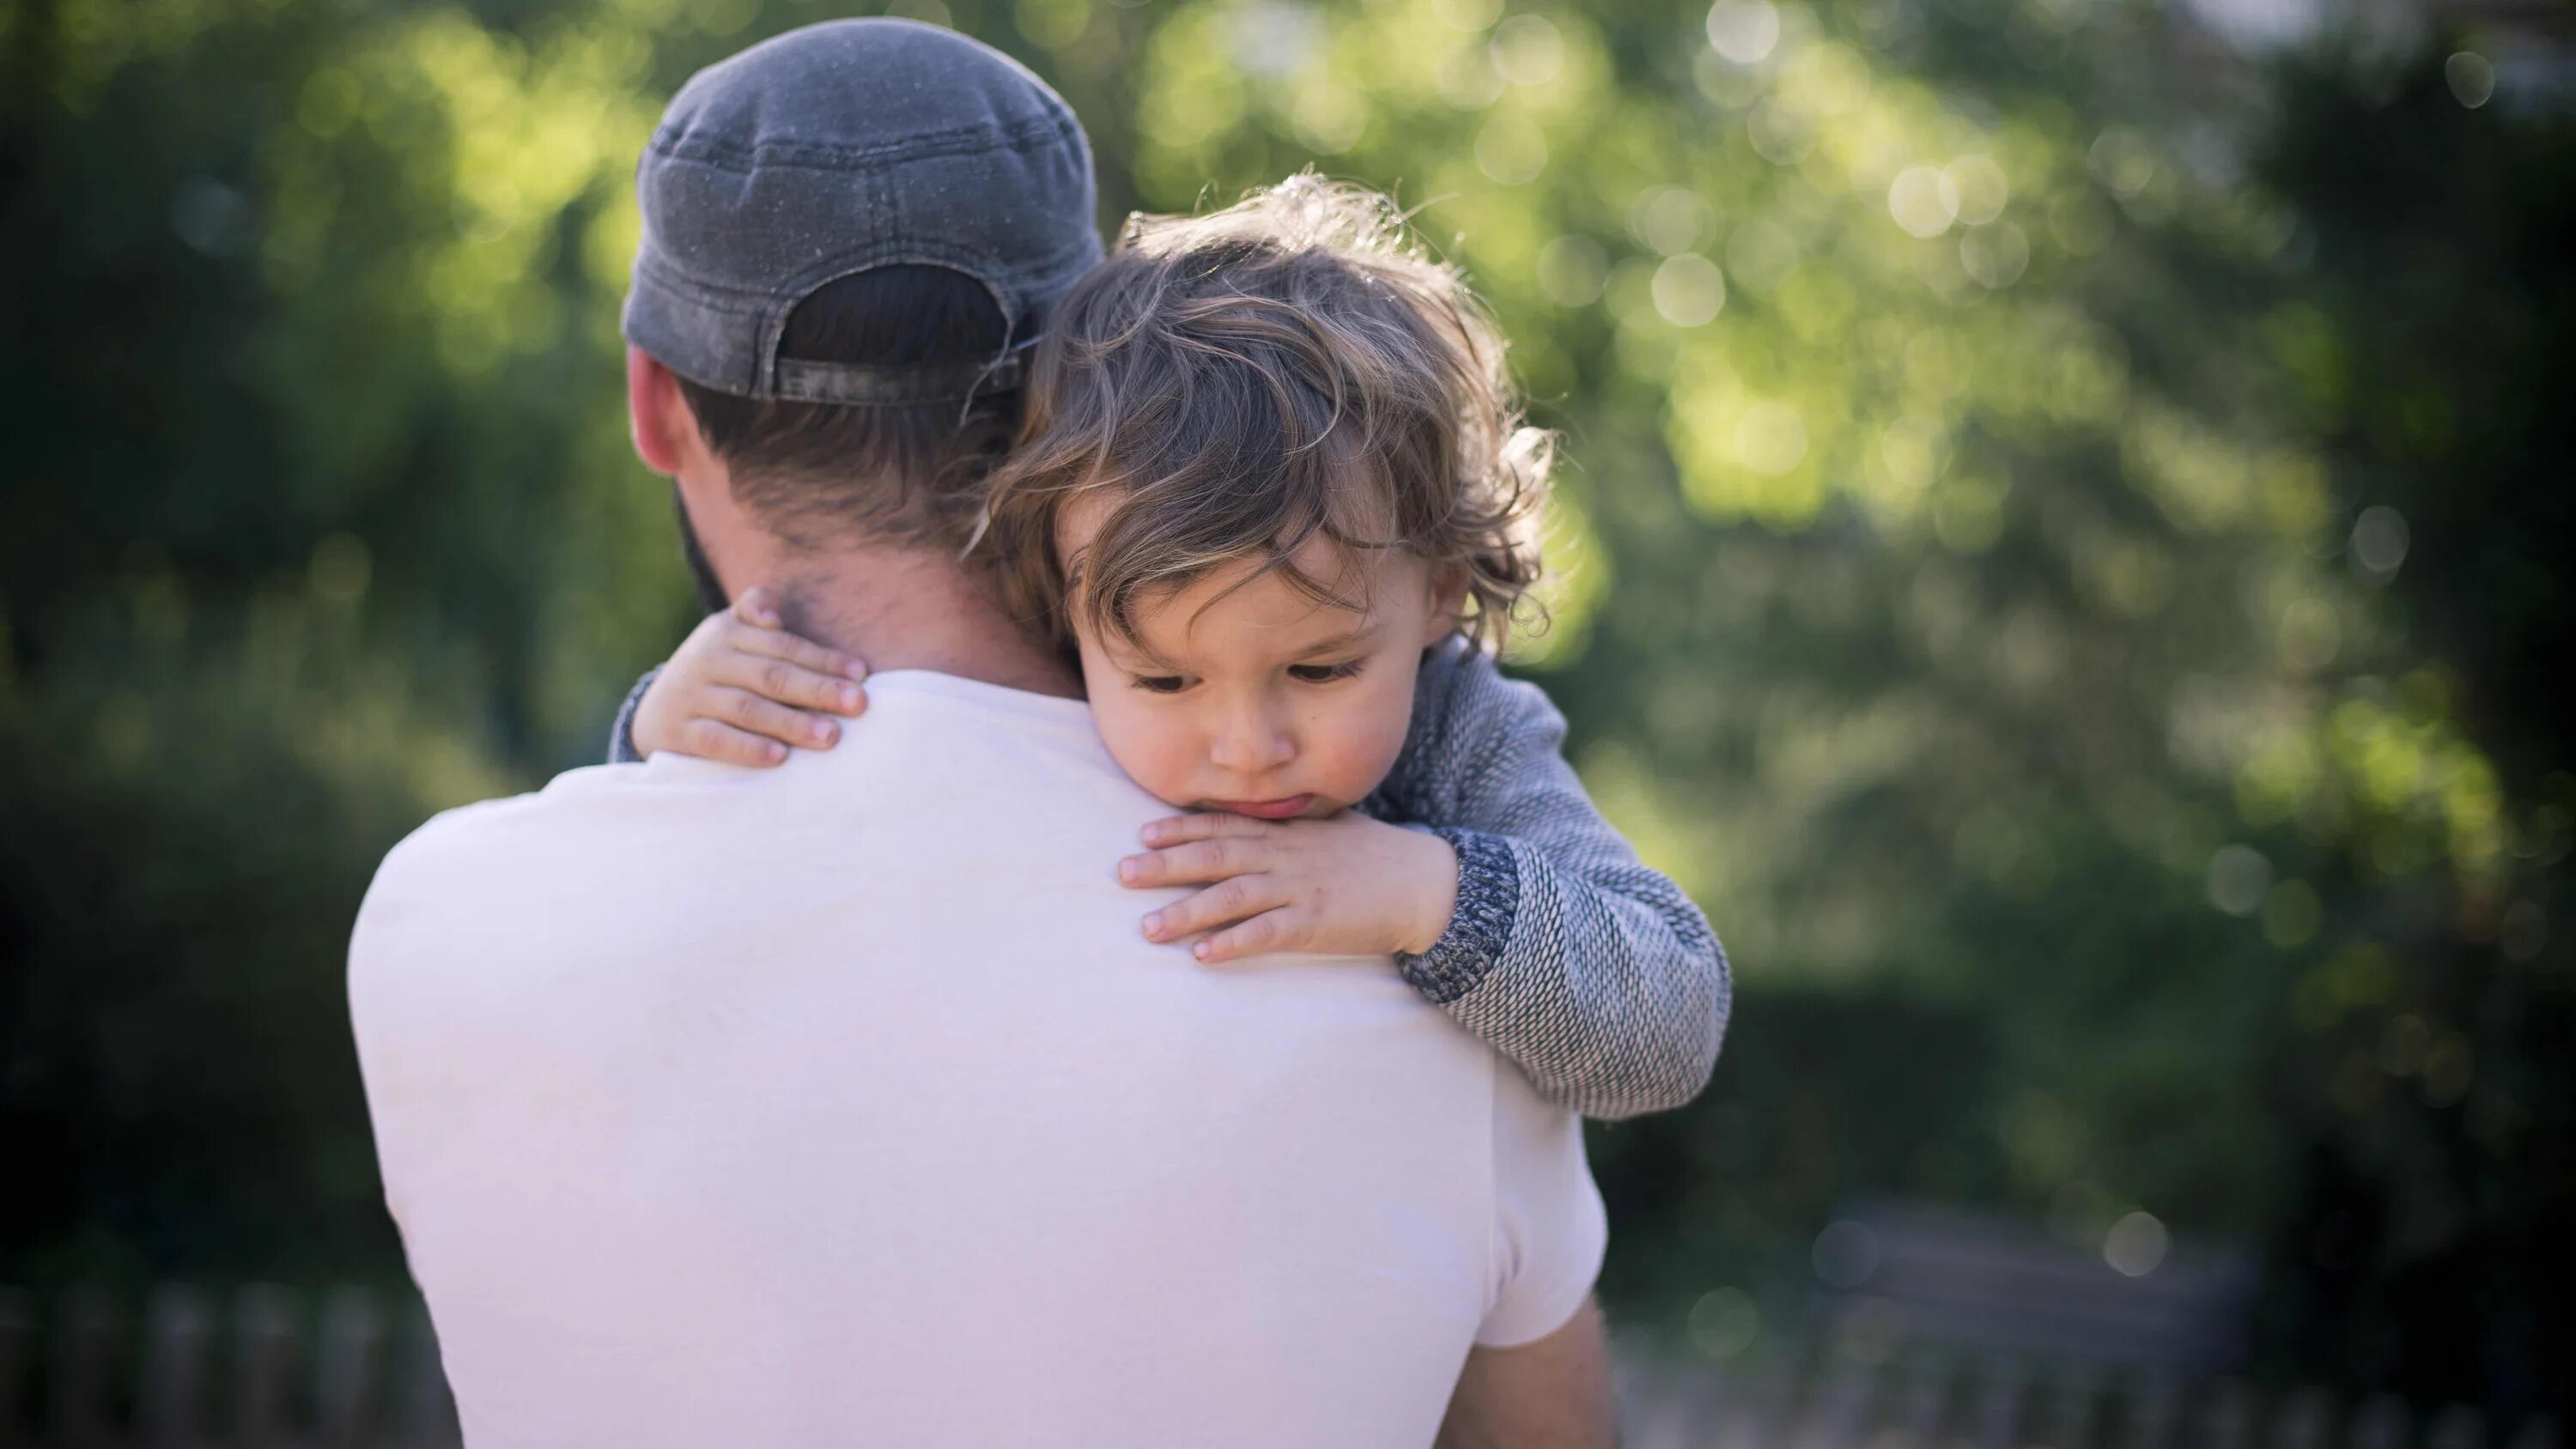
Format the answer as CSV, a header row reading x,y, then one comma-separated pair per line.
x,y
754,715
797,650
1212,825
1233,900
758,607
789,684
1283,929
1196,863
715,740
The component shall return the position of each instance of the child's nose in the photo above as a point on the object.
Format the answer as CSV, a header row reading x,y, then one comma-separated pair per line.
x,y
1251,743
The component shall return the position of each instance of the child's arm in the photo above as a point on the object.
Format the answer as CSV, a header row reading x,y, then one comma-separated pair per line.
x,y
1562,951
740,689
1566,953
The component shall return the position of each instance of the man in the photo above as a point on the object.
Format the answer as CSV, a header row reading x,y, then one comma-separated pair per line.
x,y
843,1103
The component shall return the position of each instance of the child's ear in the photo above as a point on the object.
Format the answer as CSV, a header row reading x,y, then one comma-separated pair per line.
x,y
1448,604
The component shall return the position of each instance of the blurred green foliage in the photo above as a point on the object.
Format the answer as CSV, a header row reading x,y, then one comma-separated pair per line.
x,y
2065,556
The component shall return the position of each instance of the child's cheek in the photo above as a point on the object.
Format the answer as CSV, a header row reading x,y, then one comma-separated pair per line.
x,y
1148,748
1171,774
1363,747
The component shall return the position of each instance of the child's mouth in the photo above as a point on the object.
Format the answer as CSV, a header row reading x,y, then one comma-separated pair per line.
x,y
1288,808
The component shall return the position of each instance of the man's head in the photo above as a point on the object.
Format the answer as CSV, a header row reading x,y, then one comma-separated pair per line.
x,y
849,232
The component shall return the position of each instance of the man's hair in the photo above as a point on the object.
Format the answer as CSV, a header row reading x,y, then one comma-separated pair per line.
x,y
1240,383
817,474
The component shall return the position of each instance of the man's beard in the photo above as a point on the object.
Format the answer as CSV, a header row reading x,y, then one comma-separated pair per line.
x,y
711,592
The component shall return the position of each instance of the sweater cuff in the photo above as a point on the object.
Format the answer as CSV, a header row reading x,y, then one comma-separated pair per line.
x,y
1489,899
621,735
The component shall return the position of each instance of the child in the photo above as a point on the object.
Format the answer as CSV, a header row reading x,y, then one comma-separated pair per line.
x,y
1271,486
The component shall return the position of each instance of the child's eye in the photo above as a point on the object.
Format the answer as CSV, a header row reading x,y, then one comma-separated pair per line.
x,y
1323,673
1161,683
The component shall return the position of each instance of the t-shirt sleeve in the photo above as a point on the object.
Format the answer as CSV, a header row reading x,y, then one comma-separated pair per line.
x,y
1549,1227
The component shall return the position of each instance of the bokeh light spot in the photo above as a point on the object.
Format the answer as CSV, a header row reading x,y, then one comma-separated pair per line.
x,y
2136,1245
2122,161
1329,118
1467,79
1527,50
1770,438
1572,271
1744,31
1846,1254
1980,186
1274,38
1670,219
1761,254
2471,77
1511,150
2379,539
1689,291
1056,24
328,103
2310,637
1468,15
1995,256
2448,1070
1923,201
2238,879
1782,133
2292,914
1723,1324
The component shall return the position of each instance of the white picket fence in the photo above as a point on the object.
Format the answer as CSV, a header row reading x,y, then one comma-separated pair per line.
x,y
267,1367
263,1367
1952,1401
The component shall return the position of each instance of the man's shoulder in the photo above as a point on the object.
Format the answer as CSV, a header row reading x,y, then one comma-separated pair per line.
x,y
467,838
455,830
472,870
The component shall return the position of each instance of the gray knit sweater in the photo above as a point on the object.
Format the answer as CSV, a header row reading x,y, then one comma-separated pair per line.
x,y
1593,973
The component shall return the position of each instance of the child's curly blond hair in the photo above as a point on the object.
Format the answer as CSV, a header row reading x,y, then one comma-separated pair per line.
x,y
1238,383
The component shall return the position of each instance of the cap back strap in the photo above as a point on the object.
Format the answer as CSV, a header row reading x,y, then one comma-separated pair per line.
x,y
868,385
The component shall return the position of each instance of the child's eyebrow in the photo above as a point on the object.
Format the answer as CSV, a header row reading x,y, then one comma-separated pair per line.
x,y
1357,634
1136,656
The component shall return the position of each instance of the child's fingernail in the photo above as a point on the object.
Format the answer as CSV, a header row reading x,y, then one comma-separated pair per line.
x,y
1153,833
775,752
1154,924
824,733
848,696
855,668
1128,868
1201,950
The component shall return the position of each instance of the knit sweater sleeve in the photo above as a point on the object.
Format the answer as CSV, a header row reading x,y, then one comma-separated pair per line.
x,y
621,734
1594,973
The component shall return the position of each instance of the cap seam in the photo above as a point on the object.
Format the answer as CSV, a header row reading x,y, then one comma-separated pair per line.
x,y
957,141
654,267
651,269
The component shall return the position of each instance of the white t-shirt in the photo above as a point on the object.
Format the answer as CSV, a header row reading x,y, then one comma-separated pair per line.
x,y
844,1103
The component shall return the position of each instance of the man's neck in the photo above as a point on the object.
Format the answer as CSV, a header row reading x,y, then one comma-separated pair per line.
x,y
912,608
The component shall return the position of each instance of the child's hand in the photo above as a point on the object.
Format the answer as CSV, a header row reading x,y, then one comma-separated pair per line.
x,y
1348,885
742,689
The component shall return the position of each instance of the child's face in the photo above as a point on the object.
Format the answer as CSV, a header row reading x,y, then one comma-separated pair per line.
x,y
1261,701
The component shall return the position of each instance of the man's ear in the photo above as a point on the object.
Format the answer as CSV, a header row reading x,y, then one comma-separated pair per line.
x,y
665,430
